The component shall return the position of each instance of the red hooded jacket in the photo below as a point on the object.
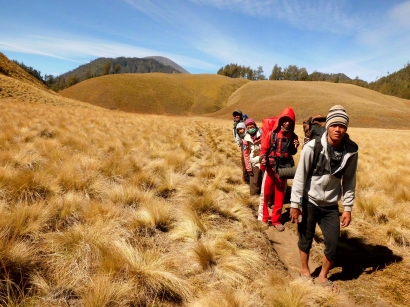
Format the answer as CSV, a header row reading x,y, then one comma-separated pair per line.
x,y
281,137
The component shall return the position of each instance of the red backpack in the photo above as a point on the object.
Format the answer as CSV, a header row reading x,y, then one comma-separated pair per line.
x,y
267,125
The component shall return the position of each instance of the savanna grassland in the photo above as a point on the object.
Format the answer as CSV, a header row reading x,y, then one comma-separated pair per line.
x,y
108,208
157,93
366,108
101,208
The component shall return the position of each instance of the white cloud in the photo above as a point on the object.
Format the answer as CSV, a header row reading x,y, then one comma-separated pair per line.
x,y
83,49
320,15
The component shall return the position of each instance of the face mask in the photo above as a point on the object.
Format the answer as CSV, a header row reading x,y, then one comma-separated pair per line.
x,y
242,134
252,130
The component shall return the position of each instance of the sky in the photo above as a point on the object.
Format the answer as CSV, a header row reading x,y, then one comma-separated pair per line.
x,y
360,38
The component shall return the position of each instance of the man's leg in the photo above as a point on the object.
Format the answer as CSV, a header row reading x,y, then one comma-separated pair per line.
x,y
261,198
304,258
326,266
280,187
330,226
267,192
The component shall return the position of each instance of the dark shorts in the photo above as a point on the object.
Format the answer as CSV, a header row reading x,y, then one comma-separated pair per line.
x,y
329,222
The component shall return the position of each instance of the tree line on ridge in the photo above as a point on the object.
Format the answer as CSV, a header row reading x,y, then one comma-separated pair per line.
x,y
395,84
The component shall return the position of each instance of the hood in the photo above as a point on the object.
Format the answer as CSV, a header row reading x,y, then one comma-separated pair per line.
x,y
286,112
240,125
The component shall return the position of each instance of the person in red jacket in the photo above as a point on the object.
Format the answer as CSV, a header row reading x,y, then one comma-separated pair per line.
x,y
276,152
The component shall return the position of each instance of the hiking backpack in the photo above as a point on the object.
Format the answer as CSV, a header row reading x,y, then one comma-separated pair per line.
x,y
313,127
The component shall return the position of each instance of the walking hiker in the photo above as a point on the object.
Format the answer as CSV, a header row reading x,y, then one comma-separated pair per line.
x,y
238,119
251,148
326,172
241,132
276,153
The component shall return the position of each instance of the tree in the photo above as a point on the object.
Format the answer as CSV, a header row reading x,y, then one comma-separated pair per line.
x,y
71,80
303,74
258,74
117,68
106,68
276,73
291,72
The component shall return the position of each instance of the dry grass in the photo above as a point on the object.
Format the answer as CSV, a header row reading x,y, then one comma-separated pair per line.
x,y
156,93
367,108
95,200
103,208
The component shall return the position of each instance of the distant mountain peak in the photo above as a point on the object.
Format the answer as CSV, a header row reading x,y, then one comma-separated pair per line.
x,y
168,62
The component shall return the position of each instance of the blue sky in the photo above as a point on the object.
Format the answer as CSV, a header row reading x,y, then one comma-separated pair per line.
x,y
365,38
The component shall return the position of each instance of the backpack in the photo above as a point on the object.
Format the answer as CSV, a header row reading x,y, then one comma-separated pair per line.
x,y
267,125
313,127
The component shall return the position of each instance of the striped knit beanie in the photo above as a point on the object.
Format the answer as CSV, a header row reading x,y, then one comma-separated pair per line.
x,y
337,115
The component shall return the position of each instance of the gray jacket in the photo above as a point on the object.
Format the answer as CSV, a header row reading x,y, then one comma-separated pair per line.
x,y
326,189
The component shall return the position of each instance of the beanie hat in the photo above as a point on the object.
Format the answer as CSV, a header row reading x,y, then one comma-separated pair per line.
x,y
240,125
237,112
337,115
249,121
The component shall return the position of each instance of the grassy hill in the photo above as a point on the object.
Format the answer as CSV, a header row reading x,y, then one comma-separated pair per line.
x,y
107,208
12,70
157,93
367,108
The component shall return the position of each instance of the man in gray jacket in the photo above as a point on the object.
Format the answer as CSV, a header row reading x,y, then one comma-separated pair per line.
x,y
326,172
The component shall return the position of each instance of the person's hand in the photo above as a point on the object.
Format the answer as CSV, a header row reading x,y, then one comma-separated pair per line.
x,y
263,161
345,219
294,215
240,142
250,173
296,143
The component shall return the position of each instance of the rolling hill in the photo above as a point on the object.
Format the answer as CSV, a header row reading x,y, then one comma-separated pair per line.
x,y
177,94
367,108
19,86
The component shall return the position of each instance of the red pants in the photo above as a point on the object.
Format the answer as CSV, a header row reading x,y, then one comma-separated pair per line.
x,y
278,187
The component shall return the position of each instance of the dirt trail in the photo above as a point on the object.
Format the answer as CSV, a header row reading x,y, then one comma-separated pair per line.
x,y
285,244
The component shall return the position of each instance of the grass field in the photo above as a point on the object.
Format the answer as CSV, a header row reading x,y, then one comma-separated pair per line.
x,y
157,93
366,108
108,208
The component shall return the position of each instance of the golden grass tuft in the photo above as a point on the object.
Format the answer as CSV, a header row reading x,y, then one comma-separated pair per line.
x,y
227,296
299,293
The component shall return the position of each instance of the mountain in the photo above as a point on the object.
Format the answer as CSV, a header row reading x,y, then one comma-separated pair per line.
x,y
119,66
168,62
396,84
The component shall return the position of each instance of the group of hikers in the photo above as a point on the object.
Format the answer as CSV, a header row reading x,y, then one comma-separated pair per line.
x,y
326,173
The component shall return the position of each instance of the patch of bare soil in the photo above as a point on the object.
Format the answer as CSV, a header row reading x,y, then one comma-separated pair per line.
x,y
285,244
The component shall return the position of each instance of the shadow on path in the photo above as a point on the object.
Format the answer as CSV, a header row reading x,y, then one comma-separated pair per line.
x,y
355,257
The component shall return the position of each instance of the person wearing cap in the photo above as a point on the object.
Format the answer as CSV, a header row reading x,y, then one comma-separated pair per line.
x,y
241,132
251,148
238,118
325,174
